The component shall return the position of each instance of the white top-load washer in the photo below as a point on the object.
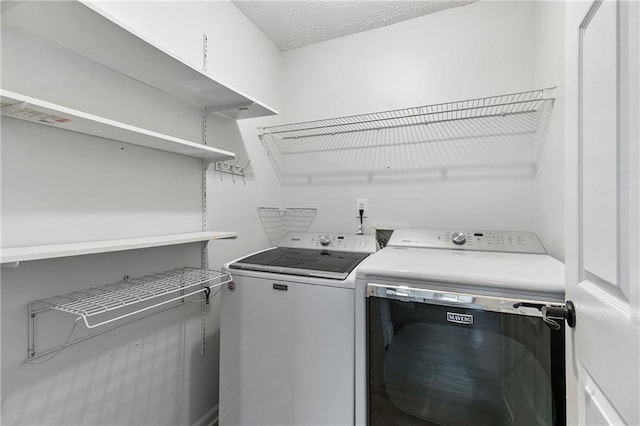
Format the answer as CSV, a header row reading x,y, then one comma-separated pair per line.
x,y
287,343
446,320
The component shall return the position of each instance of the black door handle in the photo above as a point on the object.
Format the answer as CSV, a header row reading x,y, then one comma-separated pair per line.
x,y
552,314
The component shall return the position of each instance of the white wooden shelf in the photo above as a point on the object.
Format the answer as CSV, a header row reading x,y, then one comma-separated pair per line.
x,y
23,107
78,27
26,253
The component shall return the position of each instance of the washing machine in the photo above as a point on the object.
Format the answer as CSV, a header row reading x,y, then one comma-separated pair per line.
x,y
458,328
287,342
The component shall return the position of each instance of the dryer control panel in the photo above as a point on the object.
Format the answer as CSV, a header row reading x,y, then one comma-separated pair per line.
x,y
502,241
333,242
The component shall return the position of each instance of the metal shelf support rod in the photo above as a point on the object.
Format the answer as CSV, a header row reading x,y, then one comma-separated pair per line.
x,y
33,355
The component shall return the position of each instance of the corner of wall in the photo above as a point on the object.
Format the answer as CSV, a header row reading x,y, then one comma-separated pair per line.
x,y
549,188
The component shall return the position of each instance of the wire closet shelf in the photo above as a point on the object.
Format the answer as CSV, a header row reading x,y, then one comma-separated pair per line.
x,y
489,130
138,294
277,223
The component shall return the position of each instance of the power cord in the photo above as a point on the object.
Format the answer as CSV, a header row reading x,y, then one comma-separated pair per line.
x,y
361,215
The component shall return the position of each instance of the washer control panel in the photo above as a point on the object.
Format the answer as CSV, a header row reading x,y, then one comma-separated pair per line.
x,y
334,242
502,241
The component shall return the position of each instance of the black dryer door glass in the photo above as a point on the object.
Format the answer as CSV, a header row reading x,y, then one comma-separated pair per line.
x,y
496,369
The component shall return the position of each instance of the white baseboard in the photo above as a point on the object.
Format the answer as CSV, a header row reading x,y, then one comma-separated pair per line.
x,y
210,418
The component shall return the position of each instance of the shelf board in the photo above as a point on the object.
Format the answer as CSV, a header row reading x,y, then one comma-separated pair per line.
x,y
86,31
23,107
26,253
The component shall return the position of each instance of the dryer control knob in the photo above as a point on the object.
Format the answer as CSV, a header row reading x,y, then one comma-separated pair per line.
x,y
459,238
325,241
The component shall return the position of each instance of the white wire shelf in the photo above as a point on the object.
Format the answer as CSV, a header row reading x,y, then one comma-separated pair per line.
x,y
102,305
277,223
495,131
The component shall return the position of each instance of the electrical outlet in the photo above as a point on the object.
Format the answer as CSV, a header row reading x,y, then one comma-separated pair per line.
x,y
361,204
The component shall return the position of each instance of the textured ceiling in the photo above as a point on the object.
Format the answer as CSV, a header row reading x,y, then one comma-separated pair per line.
x,y
291,24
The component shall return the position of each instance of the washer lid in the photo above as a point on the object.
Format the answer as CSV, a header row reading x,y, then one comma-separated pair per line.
x,y
537,276
293,261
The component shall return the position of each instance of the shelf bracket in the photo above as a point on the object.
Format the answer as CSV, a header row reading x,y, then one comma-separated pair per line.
x,y
233,169
32,318
204,52
549,92
204,251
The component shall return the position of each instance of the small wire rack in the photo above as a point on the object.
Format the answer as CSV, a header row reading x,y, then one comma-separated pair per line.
x,y
495,130
138,294
277,223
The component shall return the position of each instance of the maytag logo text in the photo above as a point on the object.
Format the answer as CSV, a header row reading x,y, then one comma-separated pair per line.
x,y
459,318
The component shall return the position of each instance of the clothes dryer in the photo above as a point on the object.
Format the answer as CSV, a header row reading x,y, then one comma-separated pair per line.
x,y
460,328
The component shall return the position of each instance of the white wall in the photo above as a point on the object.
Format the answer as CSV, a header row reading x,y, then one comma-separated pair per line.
x,y
549,188
482,49
59,187
556,34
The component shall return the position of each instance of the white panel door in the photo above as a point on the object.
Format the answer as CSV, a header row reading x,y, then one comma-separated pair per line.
x,y
605,289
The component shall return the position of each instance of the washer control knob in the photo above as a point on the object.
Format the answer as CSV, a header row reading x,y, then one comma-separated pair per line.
x,y
459,238
325,240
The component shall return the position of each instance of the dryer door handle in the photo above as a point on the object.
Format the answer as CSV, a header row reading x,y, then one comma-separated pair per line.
x,y
552,314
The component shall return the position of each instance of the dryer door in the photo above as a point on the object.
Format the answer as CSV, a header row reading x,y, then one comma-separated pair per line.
x,y
451,362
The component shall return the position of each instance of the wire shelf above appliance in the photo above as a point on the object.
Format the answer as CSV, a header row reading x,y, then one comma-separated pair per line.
x,y
495,131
